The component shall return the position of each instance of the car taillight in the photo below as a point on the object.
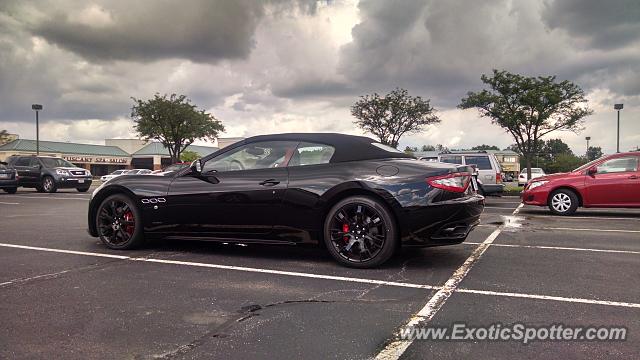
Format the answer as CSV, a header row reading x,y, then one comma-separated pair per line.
x,y
498,177
455,182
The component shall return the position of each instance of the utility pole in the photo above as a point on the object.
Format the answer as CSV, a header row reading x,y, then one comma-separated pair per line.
x,y
37,107
618,107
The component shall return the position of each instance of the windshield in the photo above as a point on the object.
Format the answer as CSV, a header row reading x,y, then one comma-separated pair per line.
x,y
176,167
55,162
588,165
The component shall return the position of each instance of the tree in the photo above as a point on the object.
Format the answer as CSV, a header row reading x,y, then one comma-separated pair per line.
x,y
391,116
410,149
594,152
428,148
485,147
173,121
189,156
529,107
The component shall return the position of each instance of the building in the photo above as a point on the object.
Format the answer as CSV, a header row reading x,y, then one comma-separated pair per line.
x,y
102,159
509,161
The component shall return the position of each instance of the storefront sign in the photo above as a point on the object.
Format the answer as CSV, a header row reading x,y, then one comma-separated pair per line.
x,y
93,160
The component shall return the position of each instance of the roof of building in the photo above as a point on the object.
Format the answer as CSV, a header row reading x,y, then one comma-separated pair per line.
x,y
63,148
156,148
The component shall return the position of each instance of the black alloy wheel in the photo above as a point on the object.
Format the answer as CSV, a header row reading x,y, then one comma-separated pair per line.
x,y
83,189
360,232
11,190
118,222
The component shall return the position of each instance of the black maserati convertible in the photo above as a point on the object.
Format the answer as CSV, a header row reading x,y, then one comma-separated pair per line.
x,y
360,198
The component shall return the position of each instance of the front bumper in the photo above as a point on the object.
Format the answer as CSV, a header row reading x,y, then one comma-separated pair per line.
x,y
63,182
537,196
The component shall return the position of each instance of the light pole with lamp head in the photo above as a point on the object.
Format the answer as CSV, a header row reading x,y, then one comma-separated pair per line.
x,y
588,138
618,107
37,107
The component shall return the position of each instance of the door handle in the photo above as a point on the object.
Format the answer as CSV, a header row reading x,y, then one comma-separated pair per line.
x,y
270,182
633,177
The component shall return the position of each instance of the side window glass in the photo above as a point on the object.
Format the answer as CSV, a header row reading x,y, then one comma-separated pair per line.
x,y
451,159
312,154
260,155
625,164
482,162
23,161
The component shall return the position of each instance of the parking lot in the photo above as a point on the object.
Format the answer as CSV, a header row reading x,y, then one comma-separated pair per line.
x,y
63,294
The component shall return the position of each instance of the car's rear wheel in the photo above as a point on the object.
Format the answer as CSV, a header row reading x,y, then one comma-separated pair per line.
x,y
119,223
360,232
11,190
83,189
48,185
563,202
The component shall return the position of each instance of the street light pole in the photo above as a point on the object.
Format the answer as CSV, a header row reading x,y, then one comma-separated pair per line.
x,y
37,107
588,138
618,107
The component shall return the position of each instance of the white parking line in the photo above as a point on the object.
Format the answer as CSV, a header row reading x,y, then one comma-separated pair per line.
x,y
225,267
559,248
319,276
553,298
9,203
396,348
47,197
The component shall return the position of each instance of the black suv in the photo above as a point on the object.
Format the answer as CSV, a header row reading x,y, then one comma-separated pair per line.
x,y
8,178
48,174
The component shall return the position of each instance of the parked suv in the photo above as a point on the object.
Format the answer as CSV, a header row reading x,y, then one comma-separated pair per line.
x,y
487,166
8,178
48,174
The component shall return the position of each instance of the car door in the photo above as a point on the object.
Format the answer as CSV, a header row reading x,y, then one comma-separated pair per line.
x,y
616,182
28,170
236,195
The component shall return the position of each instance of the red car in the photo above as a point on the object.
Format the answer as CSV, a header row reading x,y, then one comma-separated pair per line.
x,y
611,181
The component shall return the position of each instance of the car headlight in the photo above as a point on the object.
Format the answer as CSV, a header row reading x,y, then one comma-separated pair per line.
x,y
62,172
535,184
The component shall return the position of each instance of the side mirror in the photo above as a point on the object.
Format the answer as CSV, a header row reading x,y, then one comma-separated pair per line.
x,y
592,171
196,166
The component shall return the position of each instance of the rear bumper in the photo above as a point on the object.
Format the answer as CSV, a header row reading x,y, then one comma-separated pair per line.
x,y
8,183
442,223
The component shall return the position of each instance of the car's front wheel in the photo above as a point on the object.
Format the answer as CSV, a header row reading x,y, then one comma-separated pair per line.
x,y
360,232
119,223
11,190
563,202
83,189
48,185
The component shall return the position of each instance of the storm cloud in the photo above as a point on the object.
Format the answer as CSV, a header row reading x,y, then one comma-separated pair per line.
x,y
273,66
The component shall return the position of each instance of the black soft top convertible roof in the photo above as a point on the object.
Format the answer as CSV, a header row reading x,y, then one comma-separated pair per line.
x,y
347,147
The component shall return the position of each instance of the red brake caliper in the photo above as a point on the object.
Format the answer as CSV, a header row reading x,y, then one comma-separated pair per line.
x,y
128,216
345,229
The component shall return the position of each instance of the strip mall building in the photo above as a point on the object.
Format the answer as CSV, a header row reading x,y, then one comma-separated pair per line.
x,y
103,159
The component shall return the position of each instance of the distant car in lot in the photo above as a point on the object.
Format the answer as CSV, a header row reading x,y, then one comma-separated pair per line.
x,y
8,178
114,174
611,181
487,166
171,168
48,173
523,179
138,172
360,198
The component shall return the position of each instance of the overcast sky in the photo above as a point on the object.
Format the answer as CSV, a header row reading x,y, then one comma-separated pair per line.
x,y
297,66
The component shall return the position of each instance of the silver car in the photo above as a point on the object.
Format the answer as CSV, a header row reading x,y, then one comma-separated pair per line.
x,y
486,164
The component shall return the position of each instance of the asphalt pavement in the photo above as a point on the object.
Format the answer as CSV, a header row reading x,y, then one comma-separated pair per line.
x,y
64,295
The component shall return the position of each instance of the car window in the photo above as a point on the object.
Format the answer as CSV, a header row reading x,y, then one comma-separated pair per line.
x,y
259,155
55,162
482,162
451,159
3,167
23,161
386,147
623,164
117,172
311,154
537,171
